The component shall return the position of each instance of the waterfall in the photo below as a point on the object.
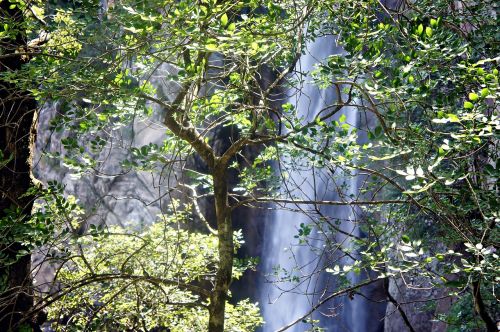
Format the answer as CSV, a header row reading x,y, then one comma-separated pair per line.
x,y
284,302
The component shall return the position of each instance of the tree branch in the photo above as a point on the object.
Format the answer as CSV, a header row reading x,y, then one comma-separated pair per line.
x,y
326,299
397,305
319,202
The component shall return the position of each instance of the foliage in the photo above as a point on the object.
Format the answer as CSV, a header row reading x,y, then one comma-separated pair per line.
x,y
101,69
49,216
125,281
415,116
429,74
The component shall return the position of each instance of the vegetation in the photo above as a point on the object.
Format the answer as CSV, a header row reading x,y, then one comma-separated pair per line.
x,y
421,79
17,111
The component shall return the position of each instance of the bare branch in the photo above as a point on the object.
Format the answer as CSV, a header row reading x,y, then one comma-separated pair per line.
x,y
326,299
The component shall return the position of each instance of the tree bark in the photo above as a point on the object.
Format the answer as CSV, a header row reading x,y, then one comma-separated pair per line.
x,y
218,169
220,291
480,308
17,109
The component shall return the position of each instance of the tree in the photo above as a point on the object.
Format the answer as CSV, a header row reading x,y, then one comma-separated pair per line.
x,y
425,75
195,38
159,284
17,120
435,84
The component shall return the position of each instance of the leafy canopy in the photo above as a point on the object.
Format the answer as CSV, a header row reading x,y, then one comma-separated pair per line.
x,y
423,77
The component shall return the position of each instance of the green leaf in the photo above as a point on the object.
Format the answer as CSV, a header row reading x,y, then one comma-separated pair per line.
x,y
342,118
211,47
405,248
452,117
468,105
224,19
473,96
456,283
420,29
489,169
428,31
485,92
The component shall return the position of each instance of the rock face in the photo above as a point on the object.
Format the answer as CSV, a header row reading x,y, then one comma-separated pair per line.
x,y
112,195
421,301
414,302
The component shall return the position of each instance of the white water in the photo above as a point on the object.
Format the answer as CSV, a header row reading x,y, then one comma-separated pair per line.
x,y
285,302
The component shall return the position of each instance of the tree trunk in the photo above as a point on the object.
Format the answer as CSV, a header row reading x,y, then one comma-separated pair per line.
x,y
226,250
480,308
16,120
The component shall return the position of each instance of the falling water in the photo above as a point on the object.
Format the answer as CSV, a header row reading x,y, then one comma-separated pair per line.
x,y
284,302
